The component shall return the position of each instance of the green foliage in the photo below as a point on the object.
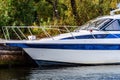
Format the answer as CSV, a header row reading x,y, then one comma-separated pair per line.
x,y
16,12
51,12
5,12
23,12
41,12
44,11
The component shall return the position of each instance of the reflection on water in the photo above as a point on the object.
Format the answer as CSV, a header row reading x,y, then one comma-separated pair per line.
x,y
105,72
14,74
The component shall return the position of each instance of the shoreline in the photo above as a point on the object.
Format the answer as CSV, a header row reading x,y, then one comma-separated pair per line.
x,y
15,57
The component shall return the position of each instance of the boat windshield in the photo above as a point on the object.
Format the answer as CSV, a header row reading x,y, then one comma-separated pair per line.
x,y
95,24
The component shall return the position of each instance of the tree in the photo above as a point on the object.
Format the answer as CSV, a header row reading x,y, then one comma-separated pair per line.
x,y
74,11
54,3
101,9
23,12
16,12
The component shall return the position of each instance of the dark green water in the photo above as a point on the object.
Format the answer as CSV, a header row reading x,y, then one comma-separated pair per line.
x,y
104,72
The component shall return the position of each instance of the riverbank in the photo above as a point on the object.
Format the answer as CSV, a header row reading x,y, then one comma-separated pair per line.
x,y
15,57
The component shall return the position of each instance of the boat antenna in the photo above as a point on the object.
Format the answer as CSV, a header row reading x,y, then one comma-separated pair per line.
x,y
116,10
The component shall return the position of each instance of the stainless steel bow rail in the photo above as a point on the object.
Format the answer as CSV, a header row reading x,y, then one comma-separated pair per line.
x,y
19,32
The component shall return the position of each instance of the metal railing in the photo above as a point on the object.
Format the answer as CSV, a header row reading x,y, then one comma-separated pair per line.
x,y
16,30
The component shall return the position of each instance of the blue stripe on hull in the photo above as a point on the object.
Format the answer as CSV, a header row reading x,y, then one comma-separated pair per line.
x,y
69,46
97,36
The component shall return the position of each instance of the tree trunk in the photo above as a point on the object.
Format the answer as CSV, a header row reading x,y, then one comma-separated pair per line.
x,y
74,11
54,3
100,9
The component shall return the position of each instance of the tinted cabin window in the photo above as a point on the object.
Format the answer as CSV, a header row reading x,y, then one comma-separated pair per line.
x,y
115,26
99,24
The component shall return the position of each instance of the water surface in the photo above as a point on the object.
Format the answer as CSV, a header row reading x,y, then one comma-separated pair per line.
x,y
103,72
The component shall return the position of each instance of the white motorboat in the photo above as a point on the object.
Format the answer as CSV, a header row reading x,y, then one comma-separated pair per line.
x,y
97,42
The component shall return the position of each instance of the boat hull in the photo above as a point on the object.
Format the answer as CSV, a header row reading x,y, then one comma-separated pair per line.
x,y
48,56
83,51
